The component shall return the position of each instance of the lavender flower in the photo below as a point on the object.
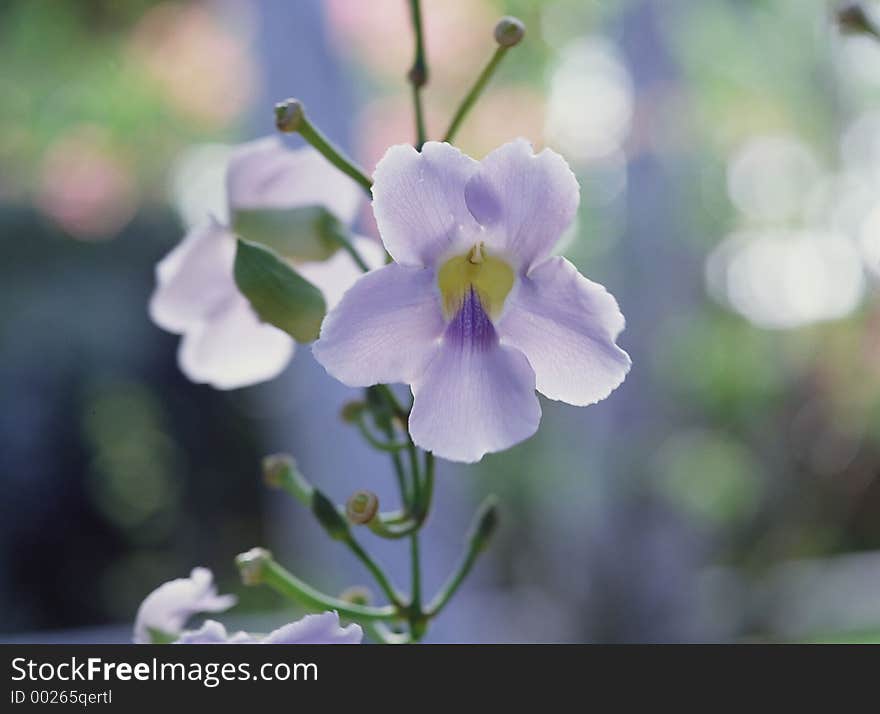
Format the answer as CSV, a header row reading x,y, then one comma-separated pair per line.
x,y
223,342
475,314
321,629
164,611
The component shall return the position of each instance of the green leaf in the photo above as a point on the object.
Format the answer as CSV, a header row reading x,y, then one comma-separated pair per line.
x,y
278,294
306,233
160,637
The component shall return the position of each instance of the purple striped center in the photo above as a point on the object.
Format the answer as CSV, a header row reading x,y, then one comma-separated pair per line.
x,y
471,326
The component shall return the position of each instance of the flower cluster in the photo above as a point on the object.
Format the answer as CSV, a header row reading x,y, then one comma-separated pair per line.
x,y
474,313
463,300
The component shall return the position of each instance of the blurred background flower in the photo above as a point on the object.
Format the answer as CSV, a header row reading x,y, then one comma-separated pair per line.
x,y
728,490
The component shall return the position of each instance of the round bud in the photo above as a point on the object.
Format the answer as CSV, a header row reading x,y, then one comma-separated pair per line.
x,y
351,411
509,31
276,467
252,564
356,595
362,507
289,116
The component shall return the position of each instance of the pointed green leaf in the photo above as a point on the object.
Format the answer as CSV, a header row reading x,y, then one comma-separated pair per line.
x,y
278,294
305,233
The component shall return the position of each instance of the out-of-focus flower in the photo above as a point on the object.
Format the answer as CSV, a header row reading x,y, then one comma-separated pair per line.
x,y
386,121
86,186
372,32
321,629
590,106
204,70
769,176
787,279
522,108
166,610
473,313
198,185
224,342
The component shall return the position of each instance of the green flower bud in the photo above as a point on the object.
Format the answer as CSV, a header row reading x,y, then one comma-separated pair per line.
x,y
351,411
280,471
362,507
276,468
289,116
509,31
485,524
329,517
252,565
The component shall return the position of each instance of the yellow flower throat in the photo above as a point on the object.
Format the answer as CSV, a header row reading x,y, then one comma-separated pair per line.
x,y
490,278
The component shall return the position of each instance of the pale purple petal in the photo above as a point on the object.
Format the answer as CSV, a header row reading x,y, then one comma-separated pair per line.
x,y
322,629
266,174
169,606
418,201
567,326
210,633
524,201
232,348
339,272
194,278
476,396
384,329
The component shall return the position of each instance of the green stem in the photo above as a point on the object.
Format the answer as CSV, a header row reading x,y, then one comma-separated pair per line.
x,y
333,154
376,443
418,73
287,584
345,243
393,401
405,495
421,132
428,493
416,476
393,531
416,616
385,528
481,531
371,565
287,477
472,96
451,586
394,517
384,636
